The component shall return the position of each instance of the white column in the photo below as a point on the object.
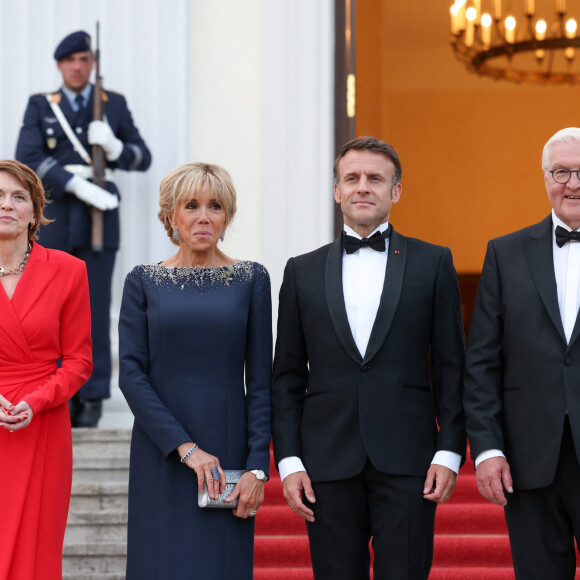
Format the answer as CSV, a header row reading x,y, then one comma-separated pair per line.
x,y
298,130
261,80
226,83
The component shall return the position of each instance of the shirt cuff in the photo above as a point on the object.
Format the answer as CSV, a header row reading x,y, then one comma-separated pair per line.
x,y
290,465
448,459
488,455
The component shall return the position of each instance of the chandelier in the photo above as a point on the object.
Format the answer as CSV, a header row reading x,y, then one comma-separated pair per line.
x,y
535,44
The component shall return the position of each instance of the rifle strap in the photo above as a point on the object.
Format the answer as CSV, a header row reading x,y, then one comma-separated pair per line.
x,y
77,145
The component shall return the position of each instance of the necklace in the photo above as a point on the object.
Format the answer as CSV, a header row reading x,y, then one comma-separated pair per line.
x,y
21,266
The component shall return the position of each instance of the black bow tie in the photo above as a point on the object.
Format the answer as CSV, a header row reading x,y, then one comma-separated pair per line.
x,y
563,236
376,242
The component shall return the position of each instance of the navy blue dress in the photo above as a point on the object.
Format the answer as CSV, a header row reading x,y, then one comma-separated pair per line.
x,y
195,348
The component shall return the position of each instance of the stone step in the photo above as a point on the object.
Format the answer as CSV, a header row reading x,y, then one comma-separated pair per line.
x,y
96,534
90,558
101,455
91,496
82,435
101,469
101,442
75,576
102,526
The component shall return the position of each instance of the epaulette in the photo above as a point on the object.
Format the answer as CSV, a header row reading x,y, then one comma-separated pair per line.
x,y
114,93
104,96
41,95
55,98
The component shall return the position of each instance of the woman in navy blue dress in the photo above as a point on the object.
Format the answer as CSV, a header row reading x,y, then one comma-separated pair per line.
x,y
195,347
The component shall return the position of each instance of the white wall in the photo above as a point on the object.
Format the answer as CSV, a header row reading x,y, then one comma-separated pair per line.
x,y
244,84
298,130
226,84
262,89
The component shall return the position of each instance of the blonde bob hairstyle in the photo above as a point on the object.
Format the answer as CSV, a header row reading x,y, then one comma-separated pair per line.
x,y
181,184
32,184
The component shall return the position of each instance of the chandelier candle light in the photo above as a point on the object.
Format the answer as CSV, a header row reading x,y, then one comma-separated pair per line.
x,y
521,41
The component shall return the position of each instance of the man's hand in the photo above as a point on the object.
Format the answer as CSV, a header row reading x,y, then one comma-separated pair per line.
x,y
293,486
92,194
493,477
100,133
439,484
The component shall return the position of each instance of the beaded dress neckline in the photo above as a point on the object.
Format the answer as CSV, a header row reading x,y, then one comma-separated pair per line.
x,y
199,276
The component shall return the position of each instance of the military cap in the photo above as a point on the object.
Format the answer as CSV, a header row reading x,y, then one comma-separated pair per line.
x,y
78,41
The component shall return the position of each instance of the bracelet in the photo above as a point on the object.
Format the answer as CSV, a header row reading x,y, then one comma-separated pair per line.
x,y
189,453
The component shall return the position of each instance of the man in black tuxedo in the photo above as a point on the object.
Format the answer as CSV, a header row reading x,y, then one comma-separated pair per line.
x,y
367,396
522,380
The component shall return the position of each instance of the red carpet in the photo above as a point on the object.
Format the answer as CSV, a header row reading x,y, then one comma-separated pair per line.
x,y
471,541
281,548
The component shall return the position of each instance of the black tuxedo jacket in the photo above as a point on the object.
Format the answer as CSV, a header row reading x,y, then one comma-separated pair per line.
x,y
397,405
521,375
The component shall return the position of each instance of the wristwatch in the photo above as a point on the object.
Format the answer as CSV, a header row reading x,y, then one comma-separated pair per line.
x,y
259,474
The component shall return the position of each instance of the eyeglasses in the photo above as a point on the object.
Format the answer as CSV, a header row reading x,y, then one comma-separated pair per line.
x,y
562,175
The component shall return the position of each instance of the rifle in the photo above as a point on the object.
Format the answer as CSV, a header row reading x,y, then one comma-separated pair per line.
x,y
97,153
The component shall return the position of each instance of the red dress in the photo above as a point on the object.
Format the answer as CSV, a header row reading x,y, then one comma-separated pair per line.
x,y
47,319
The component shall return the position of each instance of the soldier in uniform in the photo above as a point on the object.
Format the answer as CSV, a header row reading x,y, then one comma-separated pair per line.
x,y
55,140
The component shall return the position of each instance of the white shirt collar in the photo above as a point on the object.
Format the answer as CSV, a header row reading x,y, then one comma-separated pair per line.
x,y
558,222
382,228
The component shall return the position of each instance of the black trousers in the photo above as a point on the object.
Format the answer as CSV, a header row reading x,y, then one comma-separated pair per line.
x,y
543,523
390,509
100,267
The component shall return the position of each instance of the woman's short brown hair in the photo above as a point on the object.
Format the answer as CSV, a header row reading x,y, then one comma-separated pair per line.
x,y
180,184
33,185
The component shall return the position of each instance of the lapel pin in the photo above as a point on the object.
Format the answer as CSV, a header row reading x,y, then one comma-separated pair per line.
x,y
397,252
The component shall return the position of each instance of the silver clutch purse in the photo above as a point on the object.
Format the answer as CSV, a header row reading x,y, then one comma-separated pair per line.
x,y
232,477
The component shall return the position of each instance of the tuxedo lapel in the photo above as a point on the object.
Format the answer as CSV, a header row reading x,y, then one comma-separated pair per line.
x,y
539,254
335,300
576,331
390,296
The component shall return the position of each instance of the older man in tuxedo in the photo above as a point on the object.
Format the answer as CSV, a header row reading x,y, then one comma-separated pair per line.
x,y
522,382
367,390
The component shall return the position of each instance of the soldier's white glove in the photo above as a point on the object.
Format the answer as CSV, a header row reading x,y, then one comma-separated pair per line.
x,y
100,133
92,194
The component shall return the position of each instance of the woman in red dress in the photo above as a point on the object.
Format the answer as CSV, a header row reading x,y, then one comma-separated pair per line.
x,y
44,319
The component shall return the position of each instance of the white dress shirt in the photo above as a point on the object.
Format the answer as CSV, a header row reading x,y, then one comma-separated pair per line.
x,y
363,277
567,273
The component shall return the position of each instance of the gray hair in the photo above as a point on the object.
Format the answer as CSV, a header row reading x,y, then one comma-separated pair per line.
x,y
567,135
